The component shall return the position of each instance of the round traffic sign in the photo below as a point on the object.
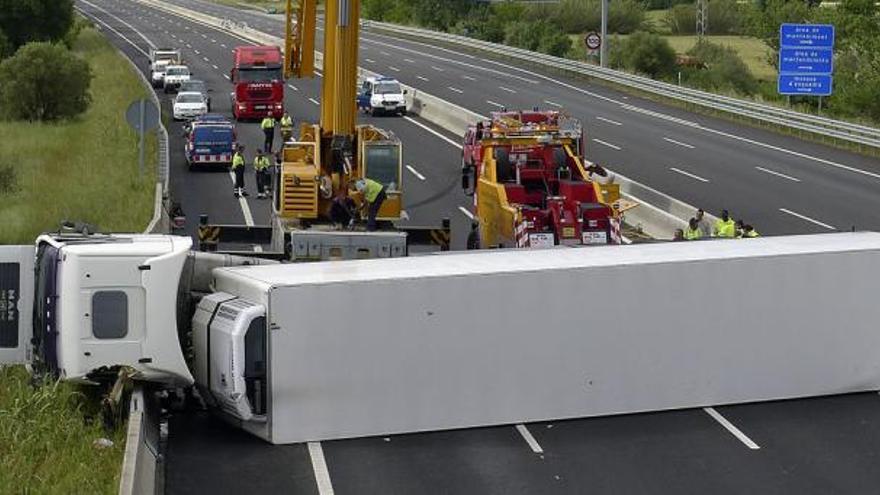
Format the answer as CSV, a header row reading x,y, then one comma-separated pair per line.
x,y
142,111
593,41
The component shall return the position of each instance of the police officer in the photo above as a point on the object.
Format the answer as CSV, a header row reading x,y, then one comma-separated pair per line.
x,y
238,170
268,126
374,195
725,226
286,127
261,166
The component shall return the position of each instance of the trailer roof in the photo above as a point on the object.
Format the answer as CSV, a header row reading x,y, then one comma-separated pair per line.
x,y
465,263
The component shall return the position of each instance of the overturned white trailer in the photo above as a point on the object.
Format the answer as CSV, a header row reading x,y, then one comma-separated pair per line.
x,y
355,348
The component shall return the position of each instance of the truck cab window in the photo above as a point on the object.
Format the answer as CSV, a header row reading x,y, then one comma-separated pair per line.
x,y
109,314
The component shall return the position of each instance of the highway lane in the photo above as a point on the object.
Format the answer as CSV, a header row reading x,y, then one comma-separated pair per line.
x,y
431,191
651,453
740,165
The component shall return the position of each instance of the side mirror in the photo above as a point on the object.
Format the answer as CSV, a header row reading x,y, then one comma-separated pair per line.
x,y
466,172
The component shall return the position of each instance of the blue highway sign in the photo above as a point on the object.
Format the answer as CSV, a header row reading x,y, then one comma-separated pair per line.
x,y
806,35
794,84
806,60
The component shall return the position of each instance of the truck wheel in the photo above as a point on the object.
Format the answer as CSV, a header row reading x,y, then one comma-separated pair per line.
x,y
403,113
374,112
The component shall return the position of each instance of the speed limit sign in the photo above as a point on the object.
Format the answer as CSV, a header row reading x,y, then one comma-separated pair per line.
x,y
593,41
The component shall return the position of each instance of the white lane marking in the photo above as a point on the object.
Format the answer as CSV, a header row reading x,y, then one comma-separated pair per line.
x,y
150,43
811,220
553,103
205,59
197,52
188,45
455,89
226,76
404,215
612,146
222,45
99,21
409,60
688,174
316,102
205,36
527,435
370,60
242,202
502,88
215,67
469,78
385,53
319,466
438,69
609,121
778,174
731,428
679,143
415,172
422,78
213,40
494,104
466,212
291,86
432,131
395,69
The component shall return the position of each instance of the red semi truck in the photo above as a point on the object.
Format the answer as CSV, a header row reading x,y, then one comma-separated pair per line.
x,y
258,86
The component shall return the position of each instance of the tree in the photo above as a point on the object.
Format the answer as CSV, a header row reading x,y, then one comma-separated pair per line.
x,y
722,69
649,54
5,46
35,20
44,81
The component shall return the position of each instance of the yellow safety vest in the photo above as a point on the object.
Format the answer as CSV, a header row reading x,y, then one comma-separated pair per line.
x,y
261,162
268,123
725,229
286,122
237,160
692,235
372,190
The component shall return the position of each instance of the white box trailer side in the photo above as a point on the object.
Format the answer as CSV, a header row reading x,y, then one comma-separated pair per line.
x,y
464,340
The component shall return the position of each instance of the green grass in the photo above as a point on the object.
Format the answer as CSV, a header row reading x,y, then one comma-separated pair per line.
x,y
46,442
82,170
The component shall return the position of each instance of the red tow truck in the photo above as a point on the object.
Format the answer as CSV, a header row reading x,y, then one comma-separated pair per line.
x,y
258,84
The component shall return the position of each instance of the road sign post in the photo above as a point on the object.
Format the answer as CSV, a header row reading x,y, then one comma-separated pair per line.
x,y
806,60
142,116
593,42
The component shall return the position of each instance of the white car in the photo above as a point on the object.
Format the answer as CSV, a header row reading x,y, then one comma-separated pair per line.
x,y
157,73
381,95
174,75
189,105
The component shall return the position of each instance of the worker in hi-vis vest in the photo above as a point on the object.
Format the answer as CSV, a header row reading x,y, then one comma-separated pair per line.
x,y
286,124
725,226
261,167
374,195
268,126
692,232
238,170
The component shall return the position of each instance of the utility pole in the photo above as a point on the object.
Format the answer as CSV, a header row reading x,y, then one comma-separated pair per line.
x,y
702,18
603,48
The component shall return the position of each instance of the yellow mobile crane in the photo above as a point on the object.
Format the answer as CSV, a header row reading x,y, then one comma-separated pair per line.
x,y
330,156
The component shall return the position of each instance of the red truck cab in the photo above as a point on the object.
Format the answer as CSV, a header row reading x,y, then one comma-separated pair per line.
x,y
258,84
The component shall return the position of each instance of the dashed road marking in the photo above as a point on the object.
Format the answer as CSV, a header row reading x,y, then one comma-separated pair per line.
x,y
527,436
495,104
605,143
466,212
742,437
291,86
415,172
808,219
502,88
316,102
609,121
678,143
395,69
688,174
319,467
454,89
421,78
778,174
553,103
432,131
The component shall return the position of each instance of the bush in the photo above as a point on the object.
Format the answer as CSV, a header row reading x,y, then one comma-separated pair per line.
x,y
8,180
580,16
537,36
681,19
724,70
648,54
724,18
664,4
44,82
24,21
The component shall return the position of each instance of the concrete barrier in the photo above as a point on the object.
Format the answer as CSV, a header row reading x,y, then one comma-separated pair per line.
x,y
141,461
657,216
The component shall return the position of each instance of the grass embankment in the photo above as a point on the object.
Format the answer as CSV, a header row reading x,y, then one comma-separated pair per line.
x,y
87,170
82,170
45,443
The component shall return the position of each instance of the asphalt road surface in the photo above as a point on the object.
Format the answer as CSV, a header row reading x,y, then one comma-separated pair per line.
x,y
826,445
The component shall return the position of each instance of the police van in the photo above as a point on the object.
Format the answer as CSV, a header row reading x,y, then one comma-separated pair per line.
x,y
210,141
381,95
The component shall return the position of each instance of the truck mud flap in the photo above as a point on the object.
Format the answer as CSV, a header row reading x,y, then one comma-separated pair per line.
x,y
429,236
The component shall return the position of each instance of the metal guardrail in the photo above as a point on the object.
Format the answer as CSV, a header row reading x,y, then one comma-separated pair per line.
x,y
814,124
